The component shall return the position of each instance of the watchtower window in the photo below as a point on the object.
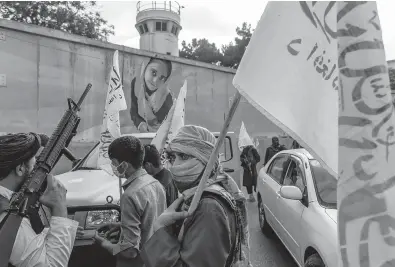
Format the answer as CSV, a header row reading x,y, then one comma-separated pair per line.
x,y
161,26
143,28
174,30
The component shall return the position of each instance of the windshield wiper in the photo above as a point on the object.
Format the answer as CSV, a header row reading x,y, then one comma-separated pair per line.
x,y
87,168
81,162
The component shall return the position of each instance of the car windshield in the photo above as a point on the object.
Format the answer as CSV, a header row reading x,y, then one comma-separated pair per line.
x,y
325,185
91,160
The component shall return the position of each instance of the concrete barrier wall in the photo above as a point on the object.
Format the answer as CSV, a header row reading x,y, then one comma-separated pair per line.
x,y
44,67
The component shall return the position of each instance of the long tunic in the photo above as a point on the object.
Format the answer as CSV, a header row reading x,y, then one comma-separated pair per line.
x,y
52,247
142,202
271,151
208,240
249,159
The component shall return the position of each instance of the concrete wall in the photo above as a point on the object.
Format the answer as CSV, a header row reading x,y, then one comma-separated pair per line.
x,y
43,67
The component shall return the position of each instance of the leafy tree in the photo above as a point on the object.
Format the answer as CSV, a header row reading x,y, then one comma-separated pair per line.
x,y
229,56
73,17
201,50
233,53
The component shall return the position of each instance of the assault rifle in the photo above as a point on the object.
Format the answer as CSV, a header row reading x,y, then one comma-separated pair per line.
x,y
25,203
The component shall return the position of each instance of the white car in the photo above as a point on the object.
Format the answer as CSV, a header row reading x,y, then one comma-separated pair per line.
x,y
297,199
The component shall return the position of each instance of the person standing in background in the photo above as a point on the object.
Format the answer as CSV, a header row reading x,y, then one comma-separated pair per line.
x,y
273,149
153,165
249,158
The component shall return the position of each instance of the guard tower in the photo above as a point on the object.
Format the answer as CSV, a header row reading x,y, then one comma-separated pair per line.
x,y
159,25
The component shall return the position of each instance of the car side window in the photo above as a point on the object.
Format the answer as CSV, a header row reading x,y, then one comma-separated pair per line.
x,y
278,167
288,179
295,175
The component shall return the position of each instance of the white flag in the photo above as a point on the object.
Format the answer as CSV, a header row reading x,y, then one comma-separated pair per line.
x,y
173,122
256,143
366,186
244,138
289,73
115,102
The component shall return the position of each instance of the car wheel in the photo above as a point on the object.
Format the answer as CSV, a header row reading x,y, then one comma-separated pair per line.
x,y
265,227
314,261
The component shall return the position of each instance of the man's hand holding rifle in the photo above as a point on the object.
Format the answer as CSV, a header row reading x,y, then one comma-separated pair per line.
x,y
26,185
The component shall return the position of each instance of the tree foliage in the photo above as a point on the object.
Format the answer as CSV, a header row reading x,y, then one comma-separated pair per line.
x,y
229,56
201,50
73,17
233,52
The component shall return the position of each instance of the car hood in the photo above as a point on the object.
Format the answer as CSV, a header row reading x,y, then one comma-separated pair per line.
x,y
332,213
89,187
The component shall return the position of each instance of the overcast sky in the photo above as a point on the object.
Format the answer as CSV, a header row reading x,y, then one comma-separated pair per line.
x,y
217,20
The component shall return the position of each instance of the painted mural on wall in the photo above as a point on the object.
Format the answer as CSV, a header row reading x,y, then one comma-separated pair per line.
x,y
151,98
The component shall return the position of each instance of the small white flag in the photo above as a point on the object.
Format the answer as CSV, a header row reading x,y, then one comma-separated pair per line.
x,y
244,138
115,102
173,122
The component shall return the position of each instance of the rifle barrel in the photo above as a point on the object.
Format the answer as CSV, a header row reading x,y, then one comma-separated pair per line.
x,y
88,87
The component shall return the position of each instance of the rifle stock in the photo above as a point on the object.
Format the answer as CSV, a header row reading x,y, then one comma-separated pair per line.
x,y
25,201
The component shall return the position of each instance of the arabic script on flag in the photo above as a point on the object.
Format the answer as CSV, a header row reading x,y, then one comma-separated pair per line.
x,y
115,102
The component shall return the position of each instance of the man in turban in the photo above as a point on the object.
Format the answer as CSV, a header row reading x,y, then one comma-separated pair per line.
x,y
52,246
216,234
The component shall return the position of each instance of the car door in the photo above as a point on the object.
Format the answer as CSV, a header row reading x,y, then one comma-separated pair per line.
x,y
289,212
271,185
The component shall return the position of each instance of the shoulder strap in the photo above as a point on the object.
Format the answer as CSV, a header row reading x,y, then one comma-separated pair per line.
x,y
4,203
34,216
225,202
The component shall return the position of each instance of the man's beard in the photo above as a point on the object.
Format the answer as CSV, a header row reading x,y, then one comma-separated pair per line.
x,y
25,178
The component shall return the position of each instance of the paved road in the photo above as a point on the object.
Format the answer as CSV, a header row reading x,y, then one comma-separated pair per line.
x,y
266,252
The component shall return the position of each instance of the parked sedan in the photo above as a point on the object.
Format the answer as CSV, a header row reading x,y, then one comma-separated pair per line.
x,y
297,200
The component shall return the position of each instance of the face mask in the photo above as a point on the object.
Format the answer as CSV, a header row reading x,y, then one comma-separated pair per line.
x,y
116,172
187,173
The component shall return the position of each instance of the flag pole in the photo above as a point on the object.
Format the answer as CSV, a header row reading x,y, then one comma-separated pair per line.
x,y
212,160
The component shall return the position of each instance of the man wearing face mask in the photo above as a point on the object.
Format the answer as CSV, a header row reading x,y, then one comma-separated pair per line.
x,y
51,247
142,202
216,235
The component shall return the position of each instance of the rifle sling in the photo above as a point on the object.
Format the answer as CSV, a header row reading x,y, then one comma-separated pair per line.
x,y
34,217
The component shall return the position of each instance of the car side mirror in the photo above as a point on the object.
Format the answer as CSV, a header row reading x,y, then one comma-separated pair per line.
x,y
291,192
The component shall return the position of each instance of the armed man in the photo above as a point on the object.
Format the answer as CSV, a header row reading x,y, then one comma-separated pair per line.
x,y
52,246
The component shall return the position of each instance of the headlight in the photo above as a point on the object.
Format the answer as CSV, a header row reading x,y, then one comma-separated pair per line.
x,y
97,218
